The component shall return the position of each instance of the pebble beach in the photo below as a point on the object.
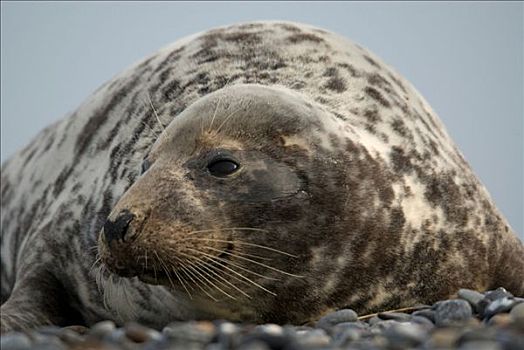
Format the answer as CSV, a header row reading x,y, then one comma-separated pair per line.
x,y
493,320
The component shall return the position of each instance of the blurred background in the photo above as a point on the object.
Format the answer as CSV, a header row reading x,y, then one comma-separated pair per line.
x,y
465,58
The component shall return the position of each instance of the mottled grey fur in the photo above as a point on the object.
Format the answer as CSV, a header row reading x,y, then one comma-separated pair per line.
x,y
354,193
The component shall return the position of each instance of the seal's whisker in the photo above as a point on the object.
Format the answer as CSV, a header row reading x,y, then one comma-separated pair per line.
x,y
154,111
182,283
213,278
198,271
184,270
205,264
233,264
98,259
240,242
214,114
242,276
226,119
255,262
166,270
190,270
227,229
240,254
209,267
157,135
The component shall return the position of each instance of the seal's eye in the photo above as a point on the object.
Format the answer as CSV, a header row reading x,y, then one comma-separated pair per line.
x,y
145,165
222,167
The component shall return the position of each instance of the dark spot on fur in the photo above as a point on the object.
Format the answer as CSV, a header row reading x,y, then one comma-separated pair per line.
x,y
371,61
100,116
243,38
378,80
61,180
336,84
399,127
444,192
398,82
377,96
372,115
301,37
172,90
354,73
401,162
290,28
330,72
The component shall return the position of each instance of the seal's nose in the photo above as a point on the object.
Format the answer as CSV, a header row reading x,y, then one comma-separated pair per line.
x,y
117,229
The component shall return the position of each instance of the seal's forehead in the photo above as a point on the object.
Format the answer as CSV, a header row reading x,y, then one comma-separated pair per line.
x,y
246,111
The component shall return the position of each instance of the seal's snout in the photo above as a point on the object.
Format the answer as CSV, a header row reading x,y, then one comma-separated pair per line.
x,y
117,229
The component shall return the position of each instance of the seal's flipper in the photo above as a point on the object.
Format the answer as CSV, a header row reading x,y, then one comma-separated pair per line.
x,y
39,299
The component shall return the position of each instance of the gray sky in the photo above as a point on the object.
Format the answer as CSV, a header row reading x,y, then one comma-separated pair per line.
x,y
465,58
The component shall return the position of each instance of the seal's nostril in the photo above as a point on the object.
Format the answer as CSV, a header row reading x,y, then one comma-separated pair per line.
x,y
117,229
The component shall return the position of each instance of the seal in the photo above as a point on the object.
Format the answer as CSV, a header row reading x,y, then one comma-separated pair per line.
x,y
261,172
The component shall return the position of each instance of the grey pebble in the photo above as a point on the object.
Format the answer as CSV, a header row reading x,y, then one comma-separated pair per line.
x,y
497,294
497,306
140,334
489,297
397,316
374,320
15,341
345,332
423,321
190,332
405,335
344,315
312,339
480,345
517,314
472,297
429,314
102,329
380,327
452,312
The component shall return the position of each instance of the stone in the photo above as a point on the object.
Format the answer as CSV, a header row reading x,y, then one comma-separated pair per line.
x,y
15,341
498,306
472,297
140,334
405,335
442,338
344,315
102,329
316,338
481,345
422,321
397,316
452,312
517,315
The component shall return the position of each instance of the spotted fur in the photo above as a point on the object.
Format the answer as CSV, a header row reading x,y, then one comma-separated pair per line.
x,y
384,210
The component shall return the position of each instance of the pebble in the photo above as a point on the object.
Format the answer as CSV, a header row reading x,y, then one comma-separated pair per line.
x,y
452,312
344,315
429,314
397,316
15,341
492,320
472,297
405,335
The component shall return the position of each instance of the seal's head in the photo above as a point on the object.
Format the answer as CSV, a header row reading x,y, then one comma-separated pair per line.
x,y
233,199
